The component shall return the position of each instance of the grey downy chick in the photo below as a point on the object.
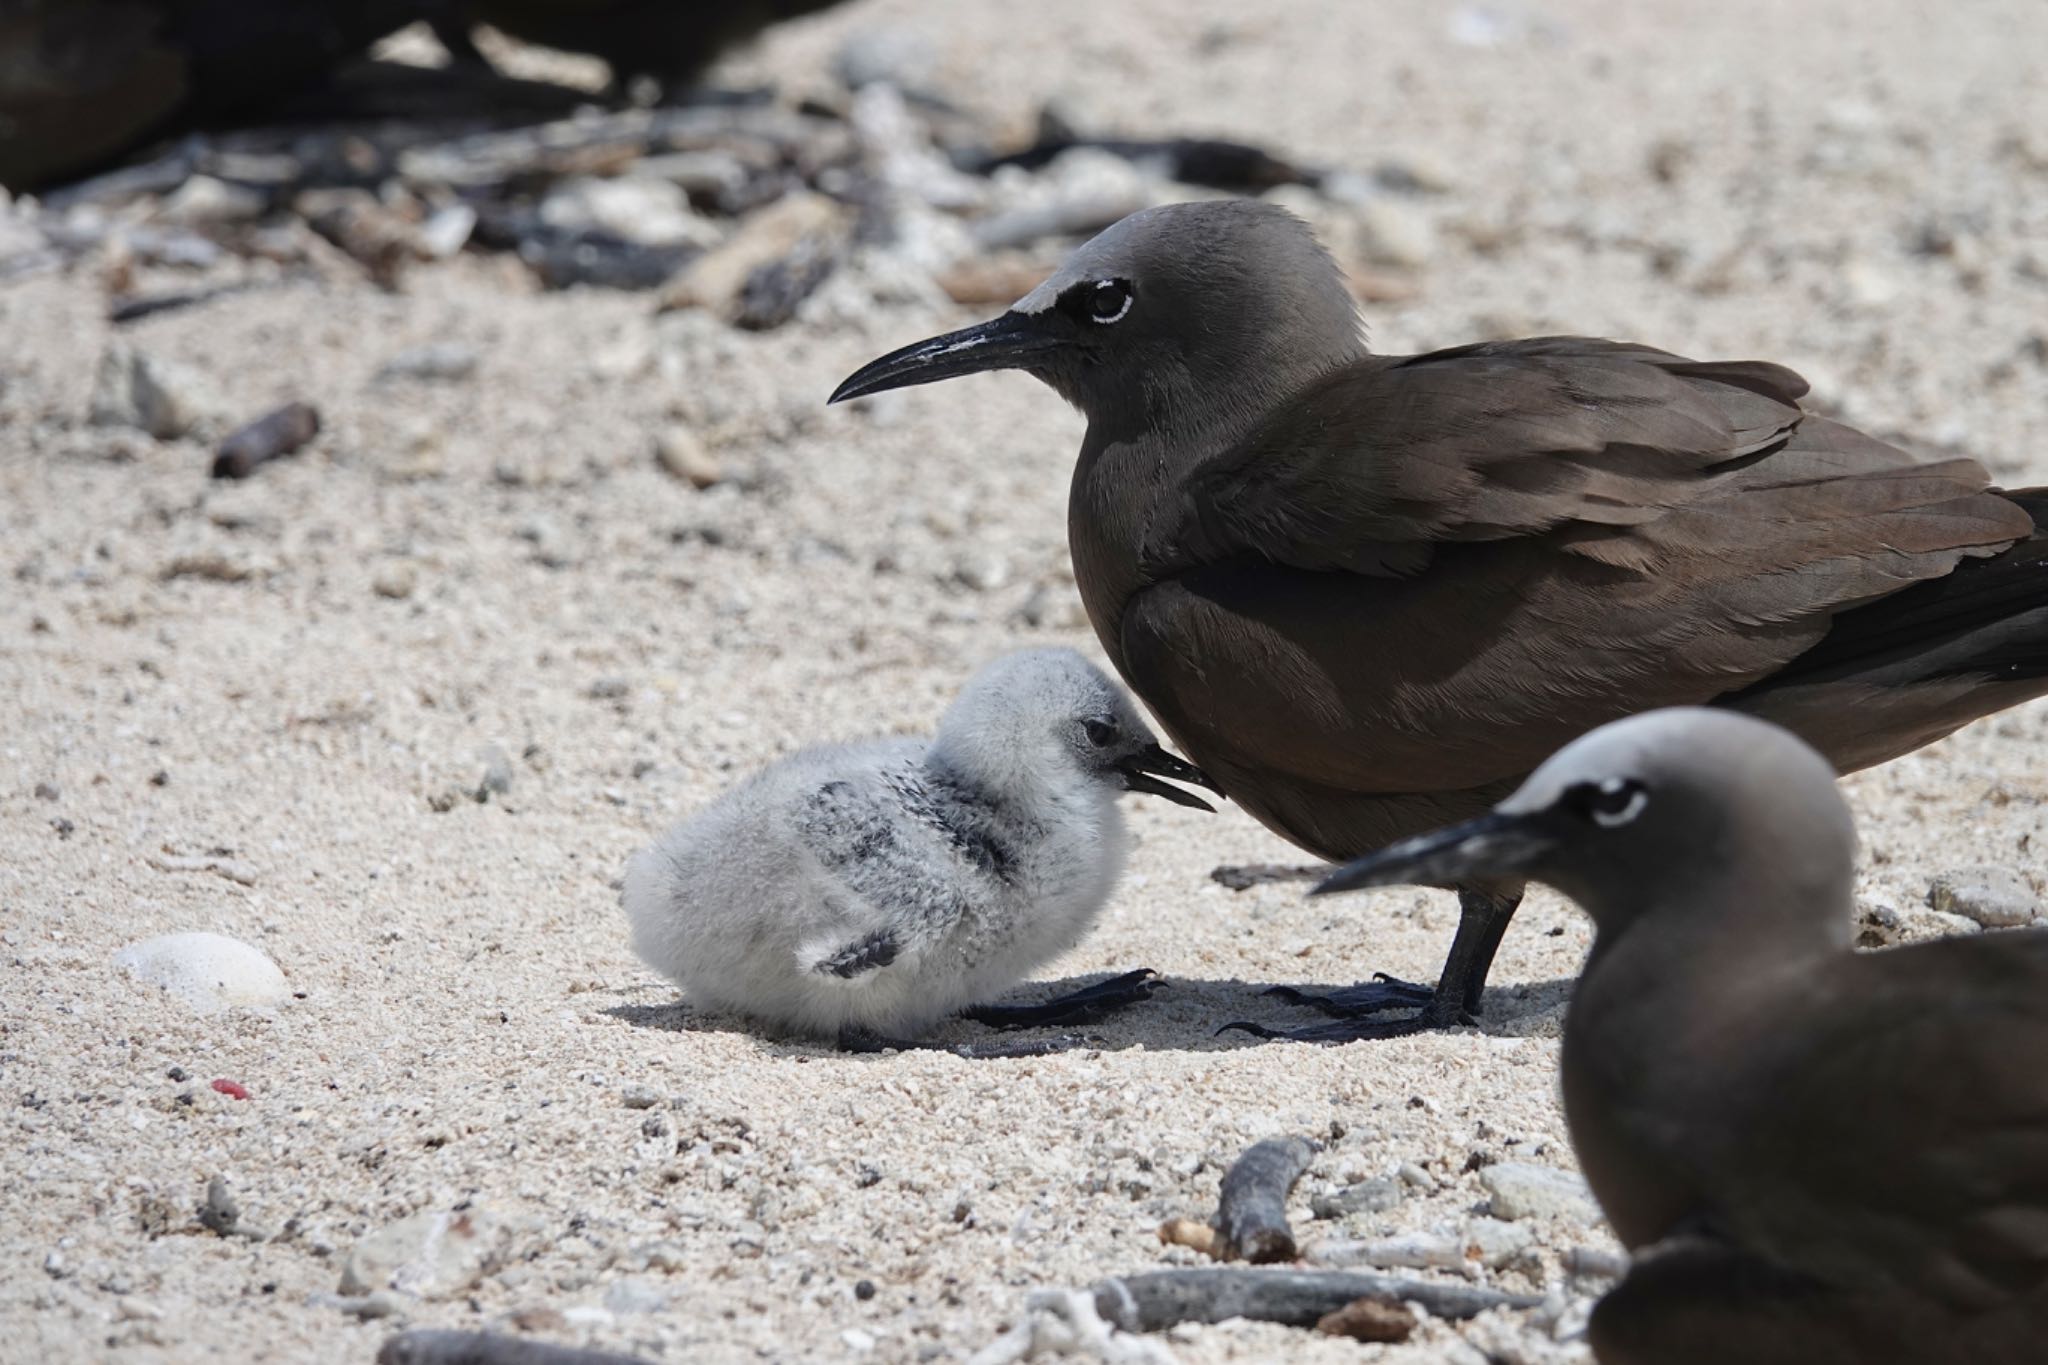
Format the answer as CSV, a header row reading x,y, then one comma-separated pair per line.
x,y
865,891
1817,1155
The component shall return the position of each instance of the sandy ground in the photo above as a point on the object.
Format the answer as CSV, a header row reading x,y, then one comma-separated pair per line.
x,y
1858,188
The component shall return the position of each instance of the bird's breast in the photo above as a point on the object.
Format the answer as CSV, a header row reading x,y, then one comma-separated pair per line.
x,y
1113,501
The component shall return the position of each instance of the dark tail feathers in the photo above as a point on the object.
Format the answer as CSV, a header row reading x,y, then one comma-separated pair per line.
x,y
1987,619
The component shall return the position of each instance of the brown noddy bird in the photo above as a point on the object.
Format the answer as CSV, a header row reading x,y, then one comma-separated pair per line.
x,y
1819,1155
1368,594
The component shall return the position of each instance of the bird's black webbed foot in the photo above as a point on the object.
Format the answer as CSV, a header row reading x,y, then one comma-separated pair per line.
x,y
864,1041
1076,1007
1376,996
1438,1012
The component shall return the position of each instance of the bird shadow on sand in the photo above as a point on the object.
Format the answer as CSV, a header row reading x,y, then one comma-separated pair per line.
x,y
1183,1015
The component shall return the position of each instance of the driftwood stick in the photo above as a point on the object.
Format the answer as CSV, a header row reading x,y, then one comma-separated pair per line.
x,y
1251,1216
424,1347
1295,1298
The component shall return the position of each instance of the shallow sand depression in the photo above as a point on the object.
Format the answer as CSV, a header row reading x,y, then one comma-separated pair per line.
x,y
265,709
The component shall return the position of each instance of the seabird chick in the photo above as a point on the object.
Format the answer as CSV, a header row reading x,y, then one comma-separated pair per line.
x,y
1369,594
865,891
1817,1155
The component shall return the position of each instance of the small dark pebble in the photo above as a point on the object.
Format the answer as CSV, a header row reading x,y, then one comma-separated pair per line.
x,y
1369,1319
65,829
863,1290
46,791
160,778
220,1213
600,259
275,433
772,293
178,1073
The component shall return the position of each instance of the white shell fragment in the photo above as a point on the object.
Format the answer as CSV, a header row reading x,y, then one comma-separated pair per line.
x,y
207,973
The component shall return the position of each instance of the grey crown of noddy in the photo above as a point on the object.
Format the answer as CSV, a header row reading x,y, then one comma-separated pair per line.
x,y
1819,1155
1368,594
868,890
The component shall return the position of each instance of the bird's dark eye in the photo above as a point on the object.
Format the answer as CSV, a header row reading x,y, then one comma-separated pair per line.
x,y
1108,300
1614,802
1101,733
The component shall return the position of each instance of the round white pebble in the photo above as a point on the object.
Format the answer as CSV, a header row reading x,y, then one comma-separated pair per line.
x,y
207,973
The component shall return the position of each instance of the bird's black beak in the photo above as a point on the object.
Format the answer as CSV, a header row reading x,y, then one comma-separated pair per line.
x,y
1139,767
1005,343
1494,846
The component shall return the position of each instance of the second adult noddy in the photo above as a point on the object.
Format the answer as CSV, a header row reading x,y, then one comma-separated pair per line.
x,y
1818,1155
1368,594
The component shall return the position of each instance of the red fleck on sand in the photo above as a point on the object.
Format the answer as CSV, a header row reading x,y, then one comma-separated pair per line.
x,y
233,1089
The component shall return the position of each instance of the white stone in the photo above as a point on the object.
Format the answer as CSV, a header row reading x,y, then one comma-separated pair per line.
x,y
1391,232
642,210
681,452
1995,897
432,1255
161,397
395,579
1492,1242
1520,1190
447,231
203,200
207,973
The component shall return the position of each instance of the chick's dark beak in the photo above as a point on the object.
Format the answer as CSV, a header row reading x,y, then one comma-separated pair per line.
x,y
1010,342
1494,846
1138,770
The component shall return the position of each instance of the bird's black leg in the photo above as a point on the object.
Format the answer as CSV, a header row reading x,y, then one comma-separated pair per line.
x,y
865,1041
1076,1007
1482,918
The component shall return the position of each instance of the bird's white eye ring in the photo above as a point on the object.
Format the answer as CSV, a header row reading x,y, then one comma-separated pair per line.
x,y
1621,801
1109,301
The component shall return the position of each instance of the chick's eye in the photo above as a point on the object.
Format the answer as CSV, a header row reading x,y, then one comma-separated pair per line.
x,y
1101,733
1614,802
1109,300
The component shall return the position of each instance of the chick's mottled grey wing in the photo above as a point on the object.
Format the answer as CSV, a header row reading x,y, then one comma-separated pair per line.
x,y
887,845
1906,1142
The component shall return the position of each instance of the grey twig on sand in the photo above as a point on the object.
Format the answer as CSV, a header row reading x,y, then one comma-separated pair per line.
x,y
1371,593
1295,1298
1245,876
866,891
1251,1214
425,1347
